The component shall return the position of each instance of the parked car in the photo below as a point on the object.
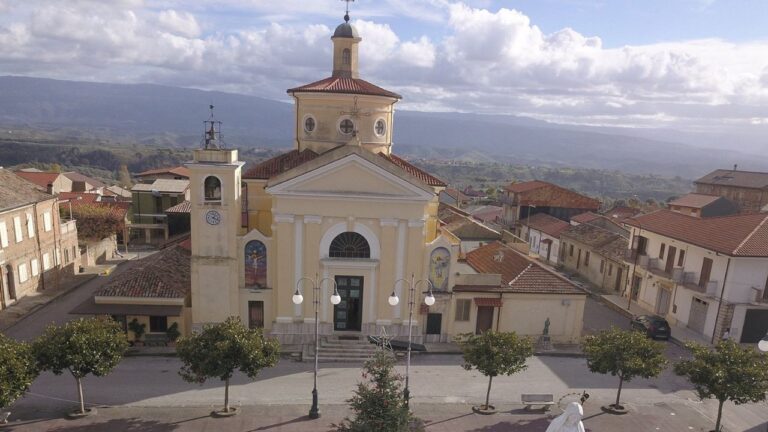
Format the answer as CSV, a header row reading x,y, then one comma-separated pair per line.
x,y
654,326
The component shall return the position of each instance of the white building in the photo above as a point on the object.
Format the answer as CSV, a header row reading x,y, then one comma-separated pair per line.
x,y
542,232
707,274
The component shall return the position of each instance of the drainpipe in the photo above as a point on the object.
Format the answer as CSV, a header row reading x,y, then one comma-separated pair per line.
x,y
40,263
498,316
634,268
720,304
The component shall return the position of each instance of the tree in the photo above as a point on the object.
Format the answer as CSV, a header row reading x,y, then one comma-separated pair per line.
x,y
124,177
219,349
87,346
98,221
729,372
379,403
624,353
17,370
495,353
55,168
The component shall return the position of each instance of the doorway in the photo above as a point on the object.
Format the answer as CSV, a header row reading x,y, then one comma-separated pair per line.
x,y
255,314
698,315
484,319
670,260
662,302
348,314
619,279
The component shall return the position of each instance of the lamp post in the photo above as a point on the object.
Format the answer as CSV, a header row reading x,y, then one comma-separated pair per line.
x,y
393,300
297,299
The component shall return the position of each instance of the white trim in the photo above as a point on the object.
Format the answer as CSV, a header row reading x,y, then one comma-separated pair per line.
x,y
416,223
304,124
312,219
324,291
298,262
372,294
283,218
386,127
338,126
383,322
284,320
341,263
400,267
332,232
388,222
309,320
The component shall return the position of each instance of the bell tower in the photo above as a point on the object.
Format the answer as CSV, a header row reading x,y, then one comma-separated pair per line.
x,y
215,220
345,50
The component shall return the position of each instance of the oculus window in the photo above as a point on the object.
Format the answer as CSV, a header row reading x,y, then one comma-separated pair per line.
x,y
380,128
346,126
309,124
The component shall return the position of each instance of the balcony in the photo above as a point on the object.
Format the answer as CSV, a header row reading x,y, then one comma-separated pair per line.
x,y
692,283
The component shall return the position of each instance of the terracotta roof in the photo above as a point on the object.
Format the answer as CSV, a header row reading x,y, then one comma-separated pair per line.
x,y
489,301
487,213
622,212
585,217
695,200
602,241
747,179
344,85
414,171
42,179
182,207
179,171
79,197
547,224
162,185
76,176
467,228
736,235
543,194
165,274
279,164
17,192
518,273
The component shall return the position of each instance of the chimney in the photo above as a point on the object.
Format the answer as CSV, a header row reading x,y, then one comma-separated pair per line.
x,y
499,257
49,188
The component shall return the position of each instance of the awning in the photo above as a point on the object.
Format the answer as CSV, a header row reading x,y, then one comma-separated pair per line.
x,y
89,307
488,301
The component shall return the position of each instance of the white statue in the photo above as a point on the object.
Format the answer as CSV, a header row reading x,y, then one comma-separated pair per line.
x,y
569,421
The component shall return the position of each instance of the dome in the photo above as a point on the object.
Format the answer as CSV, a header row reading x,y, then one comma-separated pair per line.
x,y
345,30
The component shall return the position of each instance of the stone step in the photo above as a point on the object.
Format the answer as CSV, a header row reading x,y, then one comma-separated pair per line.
x,y
330,359
333,344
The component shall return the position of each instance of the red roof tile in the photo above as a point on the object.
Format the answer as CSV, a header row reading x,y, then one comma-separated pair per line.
x,y
346,86
543,194
79,197
489,301
178,171
42,179
694,200
725,177
585,217
737,235
547,224
182,207
279,164
165,274
414,171
518,273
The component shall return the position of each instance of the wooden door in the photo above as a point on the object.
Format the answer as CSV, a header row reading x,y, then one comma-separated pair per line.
x,y
255,314
706,272
671,252
662,301
434,323
619,280
484,319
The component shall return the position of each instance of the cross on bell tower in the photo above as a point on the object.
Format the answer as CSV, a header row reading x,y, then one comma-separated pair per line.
x,y
212,133
346,15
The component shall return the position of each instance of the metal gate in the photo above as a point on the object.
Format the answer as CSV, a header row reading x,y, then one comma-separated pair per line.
x,y
698,315
755,325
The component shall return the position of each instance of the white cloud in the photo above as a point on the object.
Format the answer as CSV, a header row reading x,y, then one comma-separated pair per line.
x,y
180,23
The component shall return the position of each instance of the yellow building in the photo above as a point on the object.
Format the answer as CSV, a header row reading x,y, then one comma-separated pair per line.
x,y
340,208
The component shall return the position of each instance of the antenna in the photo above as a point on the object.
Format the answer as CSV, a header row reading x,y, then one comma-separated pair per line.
x,y
212,133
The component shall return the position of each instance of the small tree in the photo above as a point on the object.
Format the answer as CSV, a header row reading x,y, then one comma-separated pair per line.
x,y
624,353
17,370
379,403
124,177
98,221
729,372
221,348
84,346
137,328
495,353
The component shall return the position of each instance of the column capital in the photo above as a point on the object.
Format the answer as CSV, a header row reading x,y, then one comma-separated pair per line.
x,y
283,218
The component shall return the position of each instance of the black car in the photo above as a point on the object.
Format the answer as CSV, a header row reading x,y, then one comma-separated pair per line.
x,y
654,326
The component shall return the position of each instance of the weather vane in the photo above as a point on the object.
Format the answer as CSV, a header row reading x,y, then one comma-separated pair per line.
x,y
346,16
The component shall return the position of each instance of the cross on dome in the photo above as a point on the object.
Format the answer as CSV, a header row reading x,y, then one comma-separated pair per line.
x,y
346,15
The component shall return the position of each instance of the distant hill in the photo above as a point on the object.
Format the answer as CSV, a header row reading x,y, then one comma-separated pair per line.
x,y
172,117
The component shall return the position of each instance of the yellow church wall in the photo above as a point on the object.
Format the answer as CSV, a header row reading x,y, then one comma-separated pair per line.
x,y
259,207
284,271
387,269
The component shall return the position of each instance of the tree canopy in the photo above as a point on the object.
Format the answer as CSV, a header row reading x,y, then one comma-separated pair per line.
x,y
727,372
17,369
95,221
624,353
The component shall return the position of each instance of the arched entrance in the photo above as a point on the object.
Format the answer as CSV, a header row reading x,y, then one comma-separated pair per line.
x,y
348,314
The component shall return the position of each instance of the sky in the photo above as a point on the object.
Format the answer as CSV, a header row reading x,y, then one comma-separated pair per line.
x,y
691,65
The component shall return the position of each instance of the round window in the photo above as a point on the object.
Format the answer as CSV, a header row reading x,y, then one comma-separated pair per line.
x,y
309,124
380,128
346,126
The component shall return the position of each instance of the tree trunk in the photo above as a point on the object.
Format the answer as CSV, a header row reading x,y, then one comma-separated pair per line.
x,y
488,393
618,394
80,394
226,395
719,415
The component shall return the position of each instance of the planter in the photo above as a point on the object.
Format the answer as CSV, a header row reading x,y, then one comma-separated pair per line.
x,y
615,409
233,411
484,410
74,415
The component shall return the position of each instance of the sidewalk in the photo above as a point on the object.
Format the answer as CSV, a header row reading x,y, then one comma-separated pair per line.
x,y
16,312
680,335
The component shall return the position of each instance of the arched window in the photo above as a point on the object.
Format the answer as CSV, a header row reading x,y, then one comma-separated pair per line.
x,y
255,264
212,189
349,245
346,57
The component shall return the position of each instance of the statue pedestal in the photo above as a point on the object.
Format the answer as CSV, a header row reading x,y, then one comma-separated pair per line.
x,y
544,343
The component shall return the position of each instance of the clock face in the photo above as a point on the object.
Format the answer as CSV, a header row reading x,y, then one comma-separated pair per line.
x,y
213,217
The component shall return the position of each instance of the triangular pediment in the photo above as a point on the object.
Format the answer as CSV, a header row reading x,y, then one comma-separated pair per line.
x,y
350,174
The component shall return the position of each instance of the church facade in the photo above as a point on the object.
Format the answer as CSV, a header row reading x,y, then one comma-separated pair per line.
x,y
340,211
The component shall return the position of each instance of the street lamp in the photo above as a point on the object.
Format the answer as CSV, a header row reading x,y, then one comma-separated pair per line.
x,y
393,300
297,299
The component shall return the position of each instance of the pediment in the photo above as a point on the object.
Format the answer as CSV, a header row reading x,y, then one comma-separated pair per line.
x,y
353,176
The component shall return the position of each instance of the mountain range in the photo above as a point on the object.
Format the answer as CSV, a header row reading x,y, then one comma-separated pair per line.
x,y
172,117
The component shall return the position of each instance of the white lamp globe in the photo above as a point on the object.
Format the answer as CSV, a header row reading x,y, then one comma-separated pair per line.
x,y
393,300
297,298
429,300
763,344
335,298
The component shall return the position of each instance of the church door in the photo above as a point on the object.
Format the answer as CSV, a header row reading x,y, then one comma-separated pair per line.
x,y
348,314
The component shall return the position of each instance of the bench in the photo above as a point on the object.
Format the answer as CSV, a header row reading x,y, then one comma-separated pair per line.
x,y
543,400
